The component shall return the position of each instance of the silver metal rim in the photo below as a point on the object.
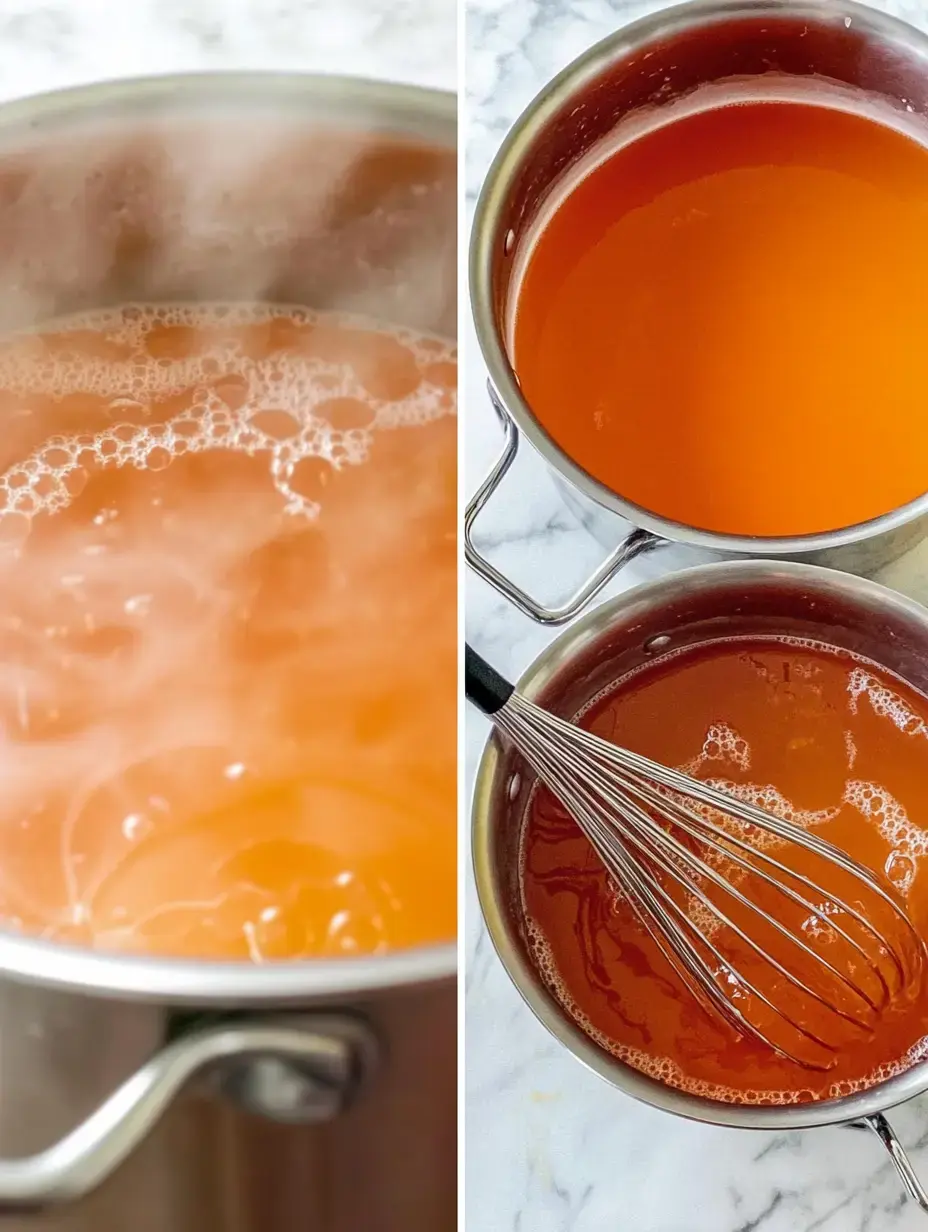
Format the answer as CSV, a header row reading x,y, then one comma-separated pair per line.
x,y
338,99
191,982
381,106
626,42
584,632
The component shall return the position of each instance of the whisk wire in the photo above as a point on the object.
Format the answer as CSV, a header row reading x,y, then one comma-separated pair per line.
x,y
636,814
687,786
685,959
640,769
645,896
704,979
638,820
643,831
682,816
542,754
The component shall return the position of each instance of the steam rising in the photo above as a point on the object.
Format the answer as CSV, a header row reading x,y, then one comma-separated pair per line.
x,y
229,208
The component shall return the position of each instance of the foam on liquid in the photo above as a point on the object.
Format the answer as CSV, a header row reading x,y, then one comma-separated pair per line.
x,y
292,410
211,615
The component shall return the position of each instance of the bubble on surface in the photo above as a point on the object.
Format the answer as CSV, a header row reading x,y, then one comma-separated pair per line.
x,y
885,702
722,743
329,403
909,842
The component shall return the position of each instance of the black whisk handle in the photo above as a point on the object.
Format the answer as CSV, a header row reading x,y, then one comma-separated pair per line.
x,y
483,685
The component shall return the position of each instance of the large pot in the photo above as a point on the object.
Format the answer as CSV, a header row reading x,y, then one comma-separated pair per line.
x,y
685,608
652,64
202,1096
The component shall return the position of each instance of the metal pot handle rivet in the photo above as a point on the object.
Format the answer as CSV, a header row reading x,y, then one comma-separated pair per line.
x,y
879,1125
637,541
297,1068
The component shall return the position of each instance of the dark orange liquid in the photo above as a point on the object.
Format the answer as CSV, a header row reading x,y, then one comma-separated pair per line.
x,y
810,734
725,321
227,634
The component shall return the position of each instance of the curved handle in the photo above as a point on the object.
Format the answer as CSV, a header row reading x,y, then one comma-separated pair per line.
x,y
288,1068
879,1125
633,545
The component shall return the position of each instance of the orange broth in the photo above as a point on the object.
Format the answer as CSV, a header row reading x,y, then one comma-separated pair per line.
x,y
808,732
723,319
227,633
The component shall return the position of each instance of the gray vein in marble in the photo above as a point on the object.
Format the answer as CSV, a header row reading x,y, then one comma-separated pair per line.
x,y
558,523
753,1224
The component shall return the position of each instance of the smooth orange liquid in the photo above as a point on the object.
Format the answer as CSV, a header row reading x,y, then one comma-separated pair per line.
x,y
813,735
725,322
227,634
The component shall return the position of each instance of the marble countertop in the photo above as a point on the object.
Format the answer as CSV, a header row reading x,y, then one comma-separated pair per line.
x,y
551,1147
50,43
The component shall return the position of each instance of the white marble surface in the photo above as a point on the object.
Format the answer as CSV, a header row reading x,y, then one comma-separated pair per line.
x,y
550,1147
50,43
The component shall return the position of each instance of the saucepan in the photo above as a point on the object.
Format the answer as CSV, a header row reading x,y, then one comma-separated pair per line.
x,y
652,64
681,609
175,1096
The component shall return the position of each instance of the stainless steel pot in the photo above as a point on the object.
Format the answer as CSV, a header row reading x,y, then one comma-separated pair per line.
x,y
212,1096
652,63
684,608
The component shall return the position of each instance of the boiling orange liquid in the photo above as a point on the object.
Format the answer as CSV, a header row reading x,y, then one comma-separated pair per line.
x,y
809,733
227,633
725,321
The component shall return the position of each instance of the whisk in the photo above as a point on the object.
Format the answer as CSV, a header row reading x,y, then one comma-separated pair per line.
x,y
772,951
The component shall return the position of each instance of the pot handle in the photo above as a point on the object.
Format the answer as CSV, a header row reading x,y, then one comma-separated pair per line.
x,y
633,545
879,1125
298,1069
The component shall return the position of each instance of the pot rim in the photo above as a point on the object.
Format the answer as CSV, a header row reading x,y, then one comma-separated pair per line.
x,y
169,92
381,107
632,40
560,652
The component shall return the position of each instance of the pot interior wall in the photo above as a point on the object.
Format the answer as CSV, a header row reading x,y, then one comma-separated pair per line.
x,y
228,206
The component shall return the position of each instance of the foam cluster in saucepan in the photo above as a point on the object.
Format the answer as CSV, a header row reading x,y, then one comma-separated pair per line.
x,y
770,800
886,702
722,743
295,389
909,842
